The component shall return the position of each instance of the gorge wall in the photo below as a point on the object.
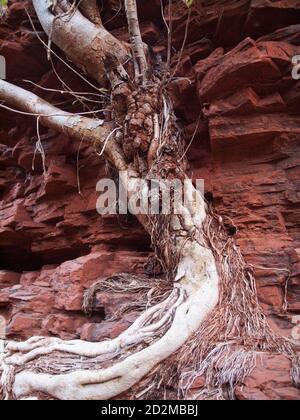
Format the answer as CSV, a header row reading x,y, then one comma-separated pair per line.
x,y
235,96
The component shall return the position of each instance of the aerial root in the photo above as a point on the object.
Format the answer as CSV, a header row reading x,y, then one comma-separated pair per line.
x,y
227,345
146,326
145,291
81,370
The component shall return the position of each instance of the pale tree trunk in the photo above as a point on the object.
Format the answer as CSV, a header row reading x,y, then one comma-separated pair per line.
x,y
85,43
211,311
195,291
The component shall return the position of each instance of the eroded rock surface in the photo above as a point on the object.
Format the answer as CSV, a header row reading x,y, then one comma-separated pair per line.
x,y
234,87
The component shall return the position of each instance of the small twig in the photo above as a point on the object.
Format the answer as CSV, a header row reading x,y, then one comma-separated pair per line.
x,y
106,141
78,167
192,139
48,115
39,147
62,91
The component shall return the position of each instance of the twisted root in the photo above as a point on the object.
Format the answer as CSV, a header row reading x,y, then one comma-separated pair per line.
x,y
104,370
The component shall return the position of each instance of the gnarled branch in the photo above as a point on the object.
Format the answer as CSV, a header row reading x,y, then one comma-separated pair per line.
x,y
85,43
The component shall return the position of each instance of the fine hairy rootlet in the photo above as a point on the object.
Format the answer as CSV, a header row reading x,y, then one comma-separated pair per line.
x,y
202,319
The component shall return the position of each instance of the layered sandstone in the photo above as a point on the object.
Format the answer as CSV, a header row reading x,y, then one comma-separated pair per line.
x,y
234,93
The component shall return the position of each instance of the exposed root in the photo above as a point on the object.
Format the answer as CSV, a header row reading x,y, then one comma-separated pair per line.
x,y
76,369
159,332
224,350
146,292
174,341
39,148
210,324
296,370
138,332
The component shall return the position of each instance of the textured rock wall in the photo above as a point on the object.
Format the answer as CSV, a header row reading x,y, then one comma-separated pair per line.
x,y
235,94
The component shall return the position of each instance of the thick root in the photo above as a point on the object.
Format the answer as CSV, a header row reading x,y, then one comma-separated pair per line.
x,y
224,350
166,326
134,335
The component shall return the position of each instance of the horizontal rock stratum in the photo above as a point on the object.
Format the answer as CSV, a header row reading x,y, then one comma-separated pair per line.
x,y
234,94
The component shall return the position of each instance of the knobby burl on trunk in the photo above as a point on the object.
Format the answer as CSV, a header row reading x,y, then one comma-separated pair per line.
x,y
204,318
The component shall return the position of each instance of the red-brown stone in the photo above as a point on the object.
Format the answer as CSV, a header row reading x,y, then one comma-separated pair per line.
x,y
234,94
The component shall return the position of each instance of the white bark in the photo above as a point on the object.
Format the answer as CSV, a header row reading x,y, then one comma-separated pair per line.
x,y
76,126
52,366
86,44
202,292
196,292
166,326
55,118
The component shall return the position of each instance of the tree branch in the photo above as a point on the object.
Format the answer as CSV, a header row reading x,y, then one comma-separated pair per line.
x,y
76,126
139,56
85,43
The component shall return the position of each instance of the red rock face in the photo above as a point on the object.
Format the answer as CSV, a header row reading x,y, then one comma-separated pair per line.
x,y
270,380
233,92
